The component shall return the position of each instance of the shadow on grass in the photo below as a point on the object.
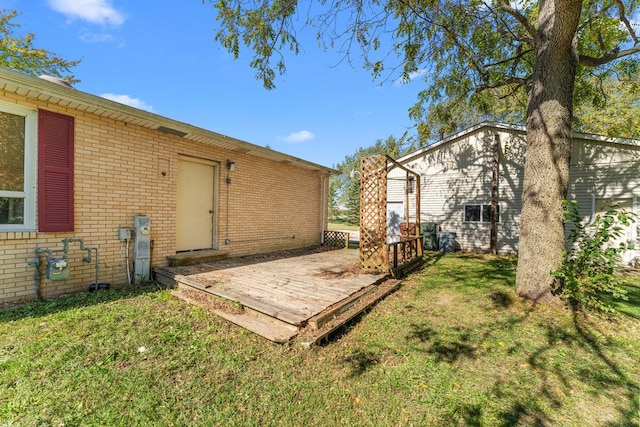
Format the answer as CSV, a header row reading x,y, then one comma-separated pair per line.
x,y
613,374
501,299
361,361
74,301
564,355
594,369
598,374
521,414
489,268
450,351
630,307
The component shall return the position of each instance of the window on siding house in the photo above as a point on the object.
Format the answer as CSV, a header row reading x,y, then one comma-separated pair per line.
x,y
17,168
479,213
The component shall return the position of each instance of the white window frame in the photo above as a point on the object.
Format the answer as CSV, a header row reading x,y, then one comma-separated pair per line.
x,y
30,161
464,211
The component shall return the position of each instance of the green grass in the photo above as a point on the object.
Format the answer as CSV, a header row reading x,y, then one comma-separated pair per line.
x,y
630,307
333,226
453,346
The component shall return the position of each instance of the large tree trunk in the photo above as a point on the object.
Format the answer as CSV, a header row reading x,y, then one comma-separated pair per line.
x,y
546,172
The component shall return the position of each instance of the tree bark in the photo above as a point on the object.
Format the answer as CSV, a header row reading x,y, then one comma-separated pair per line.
x,y
548,154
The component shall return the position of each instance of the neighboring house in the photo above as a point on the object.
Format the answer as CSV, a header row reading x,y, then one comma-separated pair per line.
x,y
456,182
78,166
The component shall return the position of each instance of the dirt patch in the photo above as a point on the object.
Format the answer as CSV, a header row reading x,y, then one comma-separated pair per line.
x,y
205,300
210,282
340,271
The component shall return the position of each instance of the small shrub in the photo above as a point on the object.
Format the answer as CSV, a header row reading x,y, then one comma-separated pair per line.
x,y
587,278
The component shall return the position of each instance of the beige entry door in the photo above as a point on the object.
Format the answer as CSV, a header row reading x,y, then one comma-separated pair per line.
x,y
195,209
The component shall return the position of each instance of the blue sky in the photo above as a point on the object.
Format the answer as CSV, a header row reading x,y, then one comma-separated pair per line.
x,y
160,56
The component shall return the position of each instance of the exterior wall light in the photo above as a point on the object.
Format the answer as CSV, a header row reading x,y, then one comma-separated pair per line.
x,y
231,165
411,185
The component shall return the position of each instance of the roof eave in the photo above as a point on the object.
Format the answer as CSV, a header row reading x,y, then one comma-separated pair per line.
x,y
37,88
512,128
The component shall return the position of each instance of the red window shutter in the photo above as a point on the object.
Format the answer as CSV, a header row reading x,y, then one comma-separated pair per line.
x,y
55,171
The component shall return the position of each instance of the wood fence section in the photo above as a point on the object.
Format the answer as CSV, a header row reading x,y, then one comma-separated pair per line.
x,y
373,214
336,239
405,255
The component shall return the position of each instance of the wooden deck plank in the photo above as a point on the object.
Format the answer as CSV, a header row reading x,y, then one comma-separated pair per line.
x,y
261,324
273,305
312,337
292,290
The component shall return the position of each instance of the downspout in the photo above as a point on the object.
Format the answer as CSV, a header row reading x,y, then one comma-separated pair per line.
x,y
635,230
228,181
323,197
495,179
407,212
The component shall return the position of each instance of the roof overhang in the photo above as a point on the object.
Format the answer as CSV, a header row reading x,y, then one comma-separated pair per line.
x,y
504,127
68,97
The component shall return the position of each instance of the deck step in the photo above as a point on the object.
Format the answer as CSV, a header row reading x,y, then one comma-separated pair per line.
x,y
266,326
246,301
312,336
321,319
196,257
164,277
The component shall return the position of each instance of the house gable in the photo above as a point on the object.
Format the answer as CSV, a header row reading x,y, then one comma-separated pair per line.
x,y
456,172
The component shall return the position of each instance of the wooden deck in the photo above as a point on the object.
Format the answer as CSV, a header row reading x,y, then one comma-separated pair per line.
x,y
282,297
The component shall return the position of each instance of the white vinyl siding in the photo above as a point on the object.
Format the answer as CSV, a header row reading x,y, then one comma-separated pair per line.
x,y
457,172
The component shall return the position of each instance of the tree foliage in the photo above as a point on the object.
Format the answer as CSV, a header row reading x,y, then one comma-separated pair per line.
x,y
20,54
477,53
587,275
614,109
347,182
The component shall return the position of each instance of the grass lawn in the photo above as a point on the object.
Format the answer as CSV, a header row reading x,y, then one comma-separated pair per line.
x,y
334,226
452,347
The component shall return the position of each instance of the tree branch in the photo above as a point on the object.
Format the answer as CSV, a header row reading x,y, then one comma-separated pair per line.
x,y
506,7
506,82
623,18
520,54
590,61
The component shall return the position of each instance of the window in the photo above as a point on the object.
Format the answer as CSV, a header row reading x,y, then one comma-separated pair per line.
x,y
479,213
17,168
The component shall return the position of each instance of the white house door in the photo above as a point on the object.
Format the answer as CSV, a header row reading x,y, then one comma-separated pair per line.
x,y
629,235
195,204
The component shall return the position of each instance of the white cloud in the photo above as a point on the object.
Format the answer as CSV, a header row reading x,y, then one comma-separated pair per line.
x,y
89,37
301,136
128,100
411,77
93,11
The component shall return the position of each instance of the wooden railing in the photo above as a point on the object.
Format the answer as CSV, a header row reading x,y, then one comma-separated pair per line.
x,y
404,255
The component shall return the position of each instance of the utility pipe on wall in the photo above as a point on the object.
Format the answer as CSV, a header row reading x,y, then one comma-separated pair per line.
x,y
323,208
36,262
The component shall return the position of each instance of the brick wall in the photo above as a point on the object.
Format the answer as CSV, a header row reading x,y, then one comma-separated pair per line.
x,y
123,170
